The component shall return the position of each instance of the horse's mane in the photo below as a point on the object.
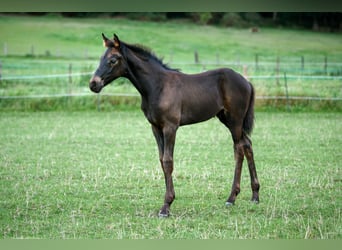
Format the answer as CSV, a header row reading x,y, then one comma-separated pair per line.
x,y
146,53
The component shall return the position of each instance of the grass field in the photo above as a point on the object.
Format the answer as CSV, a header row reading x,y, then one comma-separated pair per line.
x,y
97,175
89,174
39,46
72,37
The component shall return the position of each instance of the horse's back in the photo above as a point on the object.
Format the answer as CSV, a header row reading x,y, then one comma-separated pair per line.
x,y
205,94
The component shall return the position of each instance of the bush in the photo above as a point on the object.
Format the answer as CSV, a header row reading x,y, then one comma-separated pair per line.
x,y
201,17
147,16
253,18
232,19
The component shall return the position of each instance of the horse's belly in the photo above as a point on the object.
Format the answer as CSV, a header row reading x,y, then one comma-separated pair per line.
x,y
194,112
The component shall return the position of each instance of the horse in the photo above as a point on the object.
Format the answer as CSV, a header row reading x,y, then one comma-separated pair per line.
x,y
170,99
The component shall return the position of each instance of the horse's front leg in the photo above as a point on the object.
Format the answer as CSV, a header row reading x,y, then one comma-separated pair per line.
x,y
169,135
158,134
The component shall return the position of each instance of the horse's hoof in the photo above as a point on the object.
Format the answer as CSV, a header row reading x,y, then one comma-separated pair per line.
x,y
255,201
229,204
163,215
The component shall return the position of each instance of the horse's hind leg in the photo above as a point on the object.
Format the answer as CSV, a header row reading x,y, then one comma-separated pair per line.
x,y
242,147
248,151
238,155
236,132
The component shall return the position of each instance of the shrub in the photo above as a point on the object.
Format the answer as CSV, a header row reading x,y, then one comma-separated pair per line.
x,y
147,16
232,19
201,17
253,18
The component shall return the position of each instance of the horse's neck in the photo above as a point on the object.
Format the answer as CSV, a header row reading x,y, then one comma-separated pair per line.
x,y
142,74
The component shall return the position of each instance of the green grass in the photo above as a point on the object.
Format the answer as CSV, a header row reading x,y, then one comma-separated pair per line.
x,y
78,42
97,175
81,38
74,36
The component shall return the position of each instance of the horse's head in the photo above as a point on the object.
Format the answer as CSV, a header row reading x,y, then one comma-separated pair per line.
x,y
111,65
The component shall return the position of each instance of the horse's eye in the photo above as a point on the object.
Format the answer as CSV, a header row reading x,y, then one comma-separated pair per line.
x,y
113,61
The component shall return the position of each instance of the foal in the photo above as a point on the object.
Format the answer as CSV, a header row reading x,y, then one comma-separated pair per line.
x,y
171,99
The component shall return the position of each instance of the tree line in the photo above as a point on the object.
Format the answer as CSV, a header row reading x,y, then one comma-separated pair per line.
x,y
317,21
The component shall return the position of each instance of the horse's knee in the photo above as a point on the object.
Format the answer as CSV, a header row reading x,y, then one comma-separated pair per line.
x,y
238,152
167,165
248,151
255,186
247,147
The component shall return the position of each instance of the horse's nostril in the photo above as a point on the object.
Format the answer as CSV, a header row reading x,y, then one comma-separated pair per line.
x,y
95,86
92,84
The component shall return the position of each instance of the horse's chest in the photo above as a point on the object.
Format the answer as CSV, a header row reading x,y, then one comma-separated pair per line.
x,y
150,113
161,113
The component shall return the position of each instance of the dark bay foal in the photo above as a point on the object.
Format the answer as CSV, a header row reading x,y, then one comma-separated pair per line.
x,y
171,99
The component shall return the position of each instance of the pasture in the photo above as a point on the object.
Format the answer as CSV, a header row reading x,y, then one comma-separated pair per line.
x,y
91,175
33,50
96,175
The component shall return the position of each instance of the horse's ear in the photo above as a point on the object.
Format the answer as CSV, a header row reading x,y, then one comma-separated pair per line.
x,y
106,41
116,41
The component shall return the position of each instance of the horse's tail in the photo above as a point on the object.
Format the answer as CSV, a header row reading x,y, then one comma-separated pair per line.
x,y
248,121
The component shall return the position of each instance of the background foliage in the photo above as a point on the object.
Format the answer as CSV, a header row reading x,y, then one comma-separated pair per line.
x,y
54,55
319,21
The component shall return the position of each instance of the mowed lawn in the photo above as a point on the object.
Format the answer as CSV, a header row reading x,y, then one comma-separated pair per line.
x,y
97,175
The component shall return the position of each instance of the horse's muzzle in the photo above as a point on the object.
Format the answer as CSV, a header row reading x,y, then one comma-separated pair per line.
x,y
96,84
